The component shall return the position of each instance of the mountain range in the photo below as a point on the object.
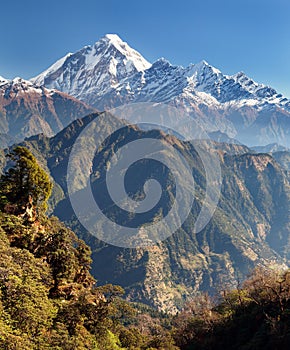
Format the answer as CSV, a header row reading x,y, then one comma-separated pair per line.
x,y
110,73
249,228
251,224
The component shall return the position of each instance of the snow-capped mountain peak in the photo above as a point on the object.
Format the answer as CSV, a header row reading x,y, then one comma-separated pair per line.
x,y
201,68
139,62
260,90
247,83
94,69
204,78
57,65
204,65
18,86
3,80
110,73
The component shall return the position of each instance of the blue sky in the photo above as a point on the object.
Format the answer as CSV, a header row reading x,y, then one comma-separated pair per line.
x,y
233,35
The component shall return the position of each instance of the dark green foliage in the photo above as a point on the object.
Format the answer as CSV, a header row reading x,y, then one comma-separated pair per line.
x,y
44,269
47,295
25,186
48,298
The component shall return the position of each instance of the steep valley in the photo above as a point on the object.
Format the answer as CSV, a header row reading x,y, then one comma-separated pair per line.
x,y
249,228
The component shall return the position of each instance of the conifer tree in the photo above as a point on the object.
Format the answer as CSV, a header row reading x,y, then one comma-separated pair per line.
x,y
25,185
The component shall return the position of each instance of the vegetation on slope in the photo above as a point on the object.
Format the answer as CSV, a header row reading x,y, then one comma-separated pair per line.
x,y
250,225
49,300
253,316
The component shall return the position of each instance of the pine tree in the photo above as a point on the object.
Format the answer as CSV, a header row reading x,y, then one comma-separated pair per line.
x,y
25,187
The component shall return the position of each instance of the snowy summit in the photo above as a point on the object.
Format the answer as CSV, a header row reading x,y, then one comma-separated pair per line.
x,y
110,73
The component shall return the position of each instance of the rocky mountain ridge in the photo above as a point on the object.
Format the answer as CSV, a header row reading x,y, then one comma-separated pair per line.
x,y
110,73
27,109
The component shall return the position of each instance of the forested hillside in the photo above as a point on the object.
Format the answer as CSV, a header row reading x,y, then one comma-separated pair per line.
x,y
249,227
49,300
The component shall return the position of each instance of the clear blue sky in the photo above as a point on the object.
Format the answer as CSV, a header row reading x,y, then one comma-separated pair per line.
x,y
233,35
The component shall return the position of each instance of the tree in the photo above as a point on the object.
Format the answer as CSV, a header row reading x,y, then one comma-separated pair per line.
x,y
25,187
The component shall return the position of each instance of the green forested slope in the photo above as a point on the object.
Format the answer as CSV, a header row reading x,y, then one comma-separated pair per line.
x,y
49,300
250,225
